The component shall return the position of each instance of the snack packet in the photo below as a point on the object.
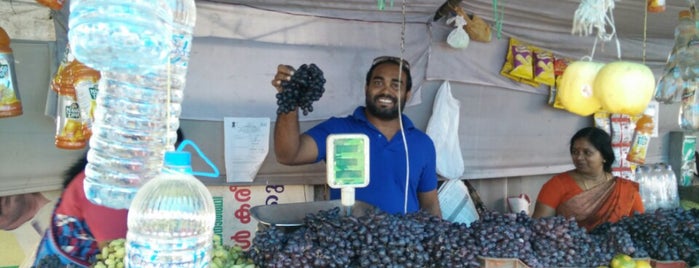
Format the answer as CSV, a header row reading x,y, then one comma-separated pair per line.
x,y
522,61
543,69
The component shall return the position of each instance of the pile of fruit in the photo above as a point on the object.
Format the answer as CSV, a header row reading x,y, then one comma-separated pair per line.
x,y
224,256
378,239
112,255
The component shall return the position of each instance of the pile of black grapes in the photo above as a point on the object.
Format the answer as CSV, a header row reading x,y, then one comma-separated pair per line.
x,y
305,87
378,239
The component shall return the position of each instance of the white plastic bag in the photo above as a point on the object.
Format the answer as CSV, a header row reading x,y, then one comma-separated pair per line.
x,y
458,38
519,203
456,203
443,128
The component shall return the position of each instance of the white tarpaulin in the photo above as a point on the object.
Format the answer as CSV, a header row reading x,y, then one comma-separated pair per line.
x,y
505,129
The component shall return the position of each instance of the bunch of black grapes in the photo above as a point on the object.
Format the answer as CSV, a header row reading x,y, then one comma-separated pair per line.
x,y
664,234
266,245
378,239
331,239
305,87
505,236
612,239
448,244
559,242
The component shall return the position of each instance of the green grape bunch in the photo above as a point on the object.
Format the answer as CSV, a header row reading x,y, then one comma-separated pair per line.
x,y
111,256
225,256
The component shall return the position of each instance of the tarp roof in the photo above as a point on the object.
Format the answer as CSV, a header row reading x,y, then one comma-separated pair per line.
x,y
26,19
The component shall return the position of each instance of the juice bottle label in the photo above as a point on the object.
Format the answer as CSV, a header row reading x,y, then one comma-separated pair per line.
x,y
10,104
639,148
86,93
70,130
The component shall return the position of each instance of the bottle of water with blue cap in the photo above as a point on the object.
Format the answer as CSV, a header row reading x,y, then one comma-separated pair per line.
x,y
172,217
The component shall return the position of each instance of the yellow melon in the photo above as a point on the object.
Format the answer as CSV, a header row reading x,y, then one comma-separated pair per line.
x,y
624,87
575,90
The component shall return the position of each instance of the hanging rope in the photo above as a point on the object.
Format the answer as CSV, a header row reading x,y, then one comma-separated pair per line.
x,y
400,111
645,32
498,13
381,4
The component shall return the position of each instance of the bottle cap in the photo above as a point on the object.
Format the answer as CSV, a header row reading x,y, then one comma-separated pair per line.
x,y
178,158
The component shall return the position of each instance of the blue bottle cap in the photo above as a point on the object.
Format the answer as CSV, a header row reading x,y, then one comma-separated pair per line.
x,y
178,158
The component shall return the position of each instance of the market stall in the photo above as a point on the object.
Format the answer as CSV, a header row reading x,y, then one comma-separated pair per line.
x,y
516,113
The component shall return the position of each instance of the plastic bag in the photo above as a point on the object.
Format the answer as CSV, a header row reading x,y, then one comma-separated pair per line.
x,y
443,128
519,203
456,203
478,29
458,38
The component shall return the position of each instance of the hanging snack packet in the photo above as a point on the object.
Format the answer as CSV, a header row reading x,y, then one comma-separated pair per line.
x,y
522,60
543,70
509,65
559,65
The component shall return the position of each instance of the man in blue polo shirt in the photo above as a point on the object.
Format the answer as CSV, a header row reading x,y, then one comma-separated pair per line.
x,y
380,121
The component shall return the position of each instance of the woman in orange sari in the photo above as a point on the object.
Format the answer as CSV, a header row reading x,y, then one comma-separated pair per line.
x,y
589,192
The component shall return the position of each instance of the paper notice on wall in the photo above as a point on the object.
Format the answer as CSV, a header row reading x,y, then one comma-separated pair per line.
x,y
234,221
246,141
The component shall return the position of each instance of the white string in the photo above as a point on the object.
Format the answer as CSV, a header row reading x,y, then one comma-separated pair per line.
x,y
400,112
591,15
594,15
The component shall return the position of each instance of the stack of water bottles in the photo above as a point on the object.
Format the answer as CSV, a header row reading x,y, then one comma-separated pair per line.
x,y
171,220
142,49
658,186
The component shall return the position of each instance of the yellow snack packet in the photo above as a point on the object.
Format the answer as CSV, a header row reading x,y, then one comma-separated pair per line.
x,y
523,62
543,70
508,66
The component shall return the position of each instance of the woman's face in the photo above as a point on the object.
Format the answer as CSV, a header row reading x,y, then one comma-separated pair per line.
x,y
586,158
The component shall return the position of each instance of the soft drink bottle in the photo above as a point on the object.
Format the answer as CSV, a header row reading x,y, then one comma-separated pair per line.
x,y
10,104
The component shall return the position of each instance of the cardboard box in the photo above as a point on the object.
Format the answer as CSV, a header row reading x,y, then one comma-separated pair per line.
x,y
234,222
501,263
668,264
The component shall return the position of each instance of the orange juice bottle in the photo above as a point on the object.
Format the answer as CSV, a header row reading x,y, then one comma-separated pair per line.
x,y
52,4
10,104
63,78
641,139
69,124
85,82
655,6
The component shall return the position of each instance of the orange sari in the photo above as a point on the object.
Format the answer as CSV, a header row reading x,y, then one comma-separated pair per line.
x,y
606,202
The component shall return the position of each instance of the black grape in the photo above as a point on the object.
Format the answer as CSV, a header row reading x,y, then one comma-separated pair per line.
x,y
305,87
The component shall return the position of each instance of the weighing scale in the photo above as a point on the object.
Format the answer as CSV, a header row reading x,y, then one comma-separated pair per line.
x,y
347,160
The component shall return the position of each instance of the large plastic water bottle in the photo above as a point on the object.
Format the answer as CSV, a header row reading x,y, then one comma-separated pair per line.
x,y
171,220
136,118
645,178
129,139
672,190
174,78
128,36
